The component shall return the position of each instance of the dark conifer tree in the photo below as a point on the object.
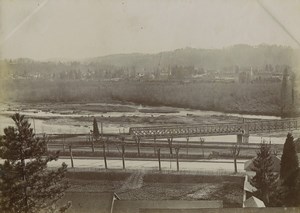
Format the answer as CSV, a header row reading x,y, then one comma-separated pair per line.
x,y
26,185
264,179
289,161
289,173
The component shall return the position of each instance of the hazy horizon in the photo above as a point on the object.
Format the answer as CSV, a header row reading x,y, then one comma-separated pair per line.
x,y
45,30
143,53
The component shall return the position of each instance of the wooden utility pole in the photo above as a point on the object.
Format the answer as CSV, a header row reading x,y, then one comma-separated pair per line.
x,y
138,140
159,164
93,148
71,155
155,145
104,154
123,153
187,145
170,140
177,157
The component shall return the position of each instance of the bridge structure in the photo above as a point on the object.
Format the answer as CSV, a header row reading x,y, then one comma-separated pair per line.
x,y
242,130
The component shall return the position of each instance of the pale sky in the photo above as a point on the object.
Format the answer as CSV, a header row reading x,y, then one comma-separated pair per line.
x,y
45,29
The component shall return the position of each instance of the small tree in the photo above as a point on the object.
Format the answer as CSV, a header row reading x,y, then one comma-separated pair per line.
x,y
25,183
96,133
264,179
235,151
202,140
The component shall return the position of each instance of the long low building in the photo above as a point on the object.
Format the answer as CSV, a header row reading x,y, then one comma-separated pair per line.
x,y
224,210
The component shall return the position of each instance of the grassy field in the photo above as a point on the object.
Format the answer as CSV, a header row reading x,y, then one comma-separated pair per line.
x,y
155,186
256,98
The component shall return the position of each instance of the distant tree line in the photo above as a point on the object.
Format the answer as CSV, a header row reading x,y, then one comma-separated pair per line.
x,y
269,58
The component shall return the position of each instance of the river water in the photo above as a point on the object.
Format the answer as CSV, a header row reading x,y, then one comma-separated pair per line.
x,y
45,121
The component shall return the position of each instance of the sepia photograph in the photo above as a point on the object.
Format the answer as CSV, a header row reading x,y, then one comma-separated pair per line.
x,y
149,106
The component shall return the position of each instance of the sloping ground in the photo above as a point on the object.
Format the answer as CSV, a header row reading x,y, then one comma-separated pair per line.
x,y
135,181
91,202
138,187
230,193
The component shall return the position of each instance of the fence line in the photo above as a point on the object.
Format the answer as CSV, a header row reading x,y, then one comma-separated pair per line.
x,y
152,171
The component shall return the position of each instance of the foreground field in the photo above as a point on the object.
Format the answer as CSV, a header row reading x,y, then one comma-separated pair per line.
x,y
145,186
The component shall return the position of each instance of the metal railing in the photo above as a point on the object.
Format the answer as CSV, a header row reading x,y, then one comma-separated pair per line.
x,y
214,129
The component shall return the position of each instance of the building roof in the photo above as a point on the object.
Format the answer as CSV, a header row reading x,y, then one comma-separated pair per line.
x,y
134,206
248,187
89,202
248,166
253,202
177,210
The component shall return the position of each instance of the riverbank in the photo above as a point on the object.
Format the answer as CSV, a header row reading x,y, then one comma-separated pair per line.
x,y
77,118
71,108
